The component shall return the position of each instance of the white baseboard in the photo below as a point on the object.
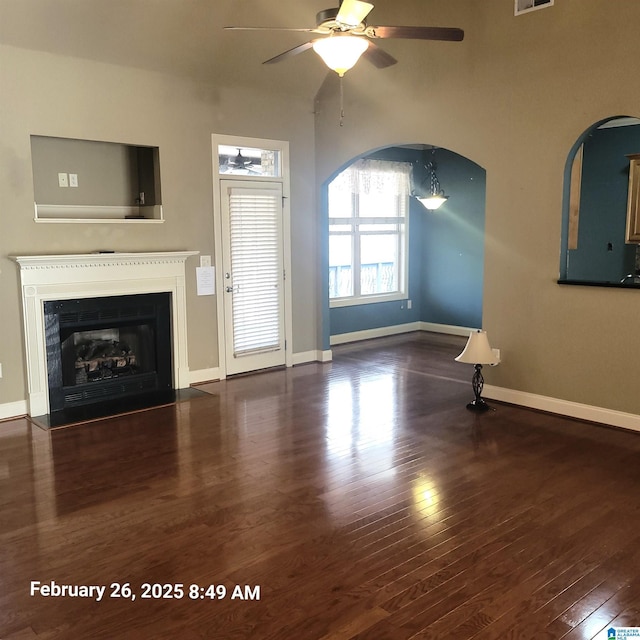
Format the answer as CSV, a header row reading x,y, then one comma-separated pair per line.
x,y
316,355
204,375
13,409
564,407
207,375
367,334
451,329
326,356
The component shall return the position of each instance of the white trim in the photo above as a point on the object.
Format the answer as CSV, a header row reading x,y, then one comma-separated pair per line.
x,y
303,357
283,147
96,213
564,407
367,334
316,355
518,12
374,298
326,356
13,409
450,329
381,332
204,375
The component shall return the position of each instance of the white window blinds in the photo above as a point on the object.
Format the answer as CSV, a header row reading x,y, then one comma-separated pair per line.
x,y
257,269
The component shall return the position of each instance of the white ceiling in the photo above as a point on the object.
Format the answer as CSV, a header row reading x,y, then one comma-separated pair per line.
x,y
184,37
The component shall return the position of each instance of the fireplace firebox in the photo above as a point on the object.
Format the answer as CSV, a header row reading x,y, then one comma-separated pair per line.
x,y
108,355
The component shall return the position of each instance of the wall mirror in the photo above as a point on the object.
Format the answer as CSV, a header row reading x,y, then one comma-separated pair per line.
x,y
597,248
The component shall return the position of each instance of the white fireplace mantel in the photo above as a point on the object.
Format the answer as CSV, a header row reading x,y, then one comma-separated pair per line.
x,y
64,277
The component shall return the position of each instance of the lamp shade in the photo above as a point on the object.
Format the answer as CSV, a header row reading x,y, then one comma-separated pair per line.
x,y
478,350
433,202
340,53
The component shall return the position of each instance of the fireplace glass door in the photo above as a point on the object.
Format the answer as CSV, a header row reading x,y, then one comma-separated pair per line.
x,y
111,353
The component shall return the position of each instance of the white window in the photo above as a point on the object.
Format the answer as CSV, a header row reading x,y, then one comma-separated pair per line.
x,y
368,220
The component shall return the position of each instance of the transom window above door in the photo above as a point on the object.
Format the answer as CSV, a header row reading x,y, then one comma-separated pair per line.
x,y
249,161
368,206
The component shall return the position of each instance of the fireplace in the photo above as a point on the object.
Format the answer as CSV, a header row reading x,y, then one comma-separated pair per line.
x,y
104,333
107,355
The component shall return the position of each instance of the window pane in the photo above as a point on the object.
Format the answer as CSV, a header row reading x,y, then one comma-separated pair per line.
x,y
376,228
248,161
378,205
379,260
368,205
340,266
340,198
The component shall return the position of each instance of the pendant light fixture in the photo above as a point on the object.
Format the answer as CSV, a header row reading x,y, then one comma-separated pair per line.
x,y
433,196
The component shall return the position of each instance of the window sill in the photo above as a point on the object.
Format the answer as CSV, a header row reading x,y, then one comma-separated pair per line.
x,y
596,283
353,302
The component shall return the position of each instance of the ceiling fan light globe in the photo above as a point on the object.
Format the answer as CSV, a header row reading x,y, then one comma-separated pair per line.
x,y
340,53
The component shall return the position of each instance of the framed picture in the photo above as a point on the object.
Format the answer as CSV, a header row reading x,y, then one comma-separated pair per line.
x,y
524,6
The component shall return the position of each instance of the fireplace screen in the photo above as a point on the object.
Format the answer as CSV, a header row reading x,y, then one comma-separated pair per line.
x,y
105,350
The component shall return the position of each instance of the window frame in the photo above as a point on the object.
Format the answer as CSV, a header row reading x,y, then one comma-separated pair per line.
x,y
356,221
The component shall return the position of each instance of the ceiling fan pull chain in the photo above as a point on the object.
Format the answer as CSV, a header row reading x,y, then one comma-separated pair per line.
x,y
341,101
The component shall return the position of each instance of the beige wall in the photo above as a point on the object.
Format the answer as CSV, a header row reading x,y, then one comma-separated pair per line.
x,y
51,95
514,97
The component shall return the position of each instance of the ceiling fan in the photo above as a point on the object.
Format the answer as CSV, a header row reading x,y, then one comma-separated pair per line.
x,y
347,37
238,164
240,161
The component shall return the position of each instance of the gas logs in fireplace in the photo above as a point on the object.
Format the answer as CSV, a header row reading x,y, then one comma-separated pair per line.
x,y
108,355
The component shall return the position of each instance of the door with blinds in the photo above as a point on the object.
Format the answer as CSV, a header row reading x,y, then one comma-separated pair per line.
x,y
253,271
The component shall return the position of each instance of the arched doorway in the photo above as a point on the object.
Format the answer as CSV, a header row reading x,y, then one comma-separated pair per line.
x,y
445,253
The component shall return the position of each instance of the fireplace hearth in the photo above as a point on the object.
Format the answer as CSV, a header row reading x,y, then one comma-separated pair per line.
x,y
107,355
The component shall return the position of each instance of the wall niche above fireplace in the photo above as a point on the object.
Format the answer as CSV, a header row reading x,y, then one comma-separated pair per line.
x,y
92,181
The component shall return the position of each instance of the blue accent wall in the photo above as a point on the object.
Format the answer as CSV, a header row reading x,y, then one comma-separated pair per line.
x,y
446,252
602,255
453,246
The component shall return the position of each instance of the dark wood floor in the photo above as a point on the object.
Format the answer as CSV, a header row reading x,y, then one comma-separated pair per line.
x,y
360,497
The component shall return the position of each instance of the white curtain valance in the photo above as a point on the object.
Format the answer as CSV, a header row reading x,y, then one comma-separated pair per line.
x,y
374,177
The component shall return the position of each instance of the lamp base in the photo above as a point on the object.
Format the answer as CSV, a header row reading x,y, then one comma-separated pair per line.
x,y
478,405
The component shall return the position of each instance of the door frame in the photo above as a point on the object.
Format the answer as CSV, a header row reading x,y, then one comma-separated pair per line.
x,y
282,147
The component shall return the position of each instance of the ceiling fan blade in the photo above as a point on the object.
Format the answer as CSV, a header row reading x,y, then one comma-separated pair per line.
x,y
272,29
378,57
451,34
289,53
353,12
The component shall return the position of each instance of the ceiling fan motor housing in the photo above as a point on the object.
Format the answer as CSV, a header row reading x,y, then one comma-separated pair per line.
x,y
327,15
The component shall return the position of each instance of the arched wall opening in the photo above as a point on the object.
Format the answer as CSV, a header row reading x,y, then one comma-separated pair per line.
x,y
445,253
594,249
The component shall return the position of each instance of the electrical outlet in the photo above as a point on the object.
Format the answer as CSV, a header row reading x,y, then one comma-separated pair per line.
x,y
73,179
0,370
409,304
63,180
205,261
496,353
